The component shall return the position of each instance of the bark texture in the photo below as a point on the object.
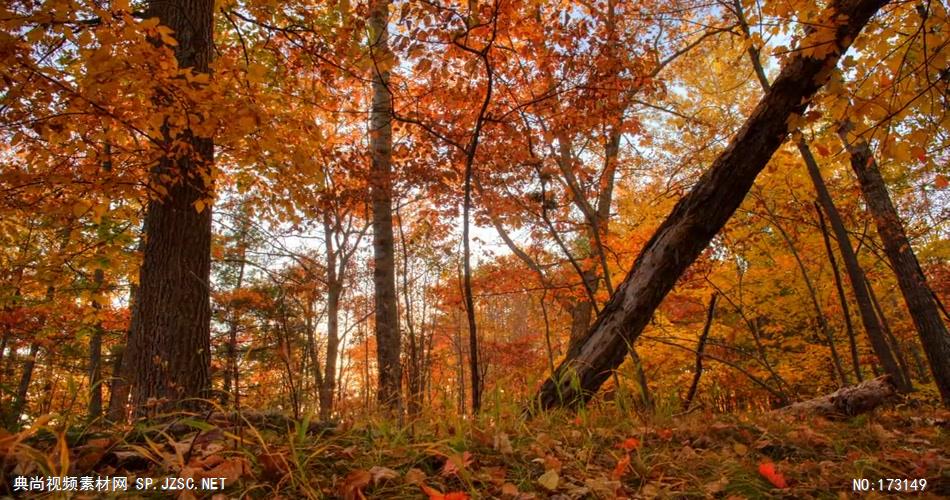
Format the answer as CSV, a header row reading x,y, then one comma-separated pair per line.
x,y
384,258
697,218
910,277
169,348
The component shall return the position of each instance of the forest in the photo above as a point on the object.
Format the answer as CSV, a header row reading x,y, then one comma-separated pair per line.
x,y
445,249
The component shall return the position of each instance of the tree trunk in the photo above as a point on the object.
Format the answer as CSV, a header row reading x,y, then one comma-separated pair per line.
x,y
414,376
23,388
839,286
813,295
95,355
334,290
889,335
169,350
913,283
859,284
852,267
384,272
698,217
698,371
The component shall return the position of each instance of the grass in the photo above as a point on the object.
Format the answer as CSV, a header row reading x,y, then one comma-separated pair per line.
x,y
591,454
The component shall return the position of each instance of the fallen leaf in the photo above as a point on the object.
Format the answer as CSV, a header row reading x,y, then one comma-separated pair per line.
x,y
549,480
630,444
503,444
509,490
231,470
380,474
415,476
621,468
767,470
435,494
353,484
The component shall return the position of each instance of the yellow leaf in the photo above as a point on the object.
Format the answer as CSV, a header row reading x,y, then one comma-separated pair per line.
x,y
199,205
549,480
256,72
80,208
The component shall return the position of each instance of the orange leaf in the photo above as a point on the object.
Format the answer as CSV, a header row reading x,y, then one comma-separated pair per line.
x,y
435,494
621,468
767,469
353,484
630,444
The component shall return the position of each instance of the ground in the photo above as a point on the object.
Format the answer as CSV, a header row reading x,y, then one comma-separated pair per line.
x,y
598,453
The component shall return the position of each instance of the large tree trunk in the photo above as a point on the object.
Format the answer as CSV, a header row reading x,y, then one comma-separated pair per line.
x,y
852,267
169,349
698,217
913,283
384,272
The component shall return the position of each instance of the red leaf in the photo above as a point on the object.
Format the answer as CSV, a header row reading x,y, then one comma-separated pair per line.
x,y
767,469
621,468
434,494
630,444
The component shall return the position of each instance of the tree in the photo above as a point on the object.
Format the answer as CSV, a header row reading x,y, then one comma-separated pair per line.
x,y
698,216
855,274
170,347
913,283
384,259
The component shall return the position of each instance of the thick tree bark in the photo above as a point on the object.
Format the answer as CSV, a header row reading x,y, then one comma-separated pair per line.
x,y
384,263
169,350
847,401
900,253
700,349
839,286
852,267
698,217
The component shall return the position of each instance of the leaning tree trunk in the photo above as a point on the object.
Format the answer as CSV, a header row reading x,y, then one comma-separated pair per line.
x,y
910,277
170,347
852,267
384,261
699,216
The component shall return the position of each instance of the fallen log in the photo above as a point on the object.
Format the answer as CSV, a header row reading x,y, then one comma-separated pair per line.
x,y
848,401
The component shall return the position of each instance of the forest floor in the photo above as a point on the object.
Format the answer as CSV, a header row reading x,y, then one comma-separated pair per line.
x,y
597,453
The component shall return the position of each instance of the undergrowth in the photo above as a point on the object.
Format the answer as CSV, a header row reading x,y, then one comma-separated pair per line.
x,y
600,452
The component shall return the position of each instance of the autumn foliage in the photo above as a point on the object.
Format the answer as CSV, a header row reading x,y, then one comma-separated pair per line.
x,y
536,148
